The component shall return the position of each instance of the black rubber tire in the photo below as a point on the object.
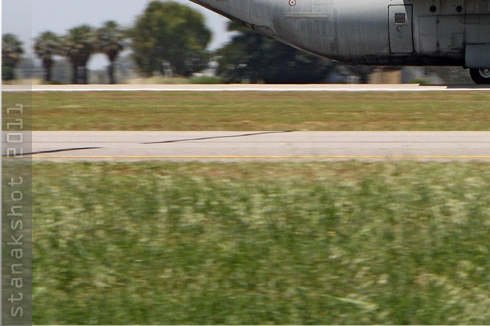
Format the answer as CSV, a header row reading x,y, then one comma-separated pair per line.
x,y
480,76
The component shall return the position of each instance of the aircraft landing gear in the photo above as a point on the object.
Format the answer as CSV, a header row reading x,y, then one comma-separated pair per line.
x,y
480,76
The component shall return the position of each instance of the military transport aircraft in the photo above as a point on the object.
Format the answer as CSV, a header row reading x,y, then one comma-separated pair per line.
x,y
375,32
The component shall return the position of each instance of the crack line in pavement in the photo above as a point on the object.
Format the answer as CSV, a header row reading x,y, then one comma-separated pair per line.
x,y
218,137
57,151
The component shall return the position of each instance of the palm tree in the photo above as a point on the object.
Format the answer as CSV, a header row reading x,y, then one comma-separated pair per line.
x,y
79,45
46,46
110,41
11,54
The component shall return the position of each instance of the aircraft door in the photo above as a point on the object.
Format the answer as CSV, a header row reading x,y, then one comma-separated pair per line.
x,y
400,29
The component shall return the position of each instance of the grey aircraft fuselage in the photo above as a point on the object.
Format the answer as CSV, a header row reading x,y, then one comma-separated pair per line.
x,y
375,32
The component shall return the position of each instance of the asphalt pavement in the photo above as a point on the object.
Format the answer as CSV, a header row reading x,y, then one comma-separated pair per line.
x,y
258,145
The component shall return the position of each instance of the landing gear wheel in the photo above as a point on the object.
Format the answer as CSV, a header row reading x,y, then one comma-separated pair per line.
x,y
480,76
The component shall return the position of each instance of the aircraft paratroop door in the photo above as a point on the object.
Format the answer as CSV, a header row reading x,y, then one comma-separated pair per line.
x,y
400,22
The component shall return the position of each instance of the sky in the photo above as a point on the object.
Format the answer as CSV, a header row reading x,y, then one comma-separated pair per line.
x,y
28,18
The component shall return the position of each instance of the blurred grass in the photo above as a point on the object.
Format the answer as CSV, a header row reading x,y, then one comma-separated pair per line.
x,y
238,111
252,243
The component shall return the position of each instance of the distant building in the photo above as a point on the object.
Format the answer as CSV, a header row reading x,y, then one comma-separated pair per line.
x,y
405,75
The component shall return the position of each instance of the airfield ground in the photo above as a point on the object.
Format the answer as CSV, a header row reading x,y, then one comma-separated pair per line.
x,y
257,243
239,111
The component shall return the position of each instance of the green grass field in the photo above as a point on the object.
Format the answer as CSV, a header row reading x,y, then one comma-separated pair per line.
x,y
239,111
252,243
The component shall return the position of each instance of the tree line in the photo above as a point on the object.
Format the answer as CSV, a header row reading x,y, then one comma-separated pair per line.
x,y
170,35
77,46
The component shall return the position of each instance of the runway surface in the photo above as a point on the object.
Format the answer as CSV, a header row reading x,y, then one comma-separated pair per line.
x,y
267,145
245,88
